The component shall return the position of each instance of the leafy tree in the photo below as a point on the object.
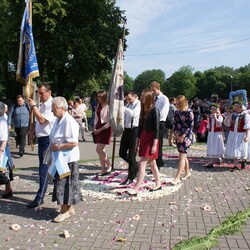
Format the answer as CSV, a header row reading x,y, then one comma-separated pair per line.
x,y
128,82
244,79
75,40
182,82
143,80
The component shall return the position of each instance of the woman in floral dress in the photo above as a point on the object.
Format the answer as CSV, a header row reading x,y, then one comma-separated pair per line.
x,y
183,125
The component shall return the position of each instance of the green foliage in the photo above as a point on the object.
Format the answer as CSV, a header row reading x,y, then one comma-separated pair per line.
x,y
182,82
230,226
196,243
143,80
75,41
128,82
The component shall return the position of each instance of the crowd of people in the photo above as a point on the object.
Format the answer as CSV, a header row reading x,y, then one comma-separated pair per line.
x,y
147,117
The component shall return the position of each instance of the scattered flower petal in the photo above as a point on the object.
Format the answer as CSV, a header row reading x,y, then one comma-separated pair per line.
x,y
136,217
15,227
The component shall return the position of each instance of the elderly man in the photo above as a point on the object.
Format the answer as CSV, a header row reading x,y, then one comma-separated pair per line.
x,y
20,115
127,146
44,123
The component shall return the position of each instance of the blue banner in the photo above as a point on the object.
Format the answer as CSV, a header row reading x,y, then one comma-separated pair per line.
x,y
27,66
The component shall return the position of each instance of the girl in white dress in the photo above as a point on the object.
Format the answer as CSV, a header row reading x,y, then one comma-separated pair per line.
x,y
237,142
215,139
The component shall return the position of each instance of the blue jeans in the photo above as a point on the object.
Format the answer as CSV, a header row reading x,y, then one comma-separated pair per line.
x,y
43,143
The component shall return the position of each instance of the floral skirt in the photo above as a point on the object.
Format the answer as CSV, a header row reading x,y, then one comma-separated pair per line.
x,y
67,190
183,147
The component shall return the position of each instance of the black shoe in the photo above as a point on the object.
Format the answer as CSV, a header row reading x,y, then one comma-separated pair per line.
x,y
130,194
124,182
235,168
8,195
130,181
34,204
210,166
243,164
156,189
106,173
21,154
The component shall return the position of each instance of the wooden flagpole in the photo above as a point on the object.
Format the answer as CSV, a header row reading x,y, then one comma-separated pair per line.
x,y
114,141
30,91
113,153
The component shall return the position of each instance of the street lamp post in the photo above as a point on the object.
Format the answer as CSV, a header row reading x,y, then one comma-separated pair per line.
x,y
231,82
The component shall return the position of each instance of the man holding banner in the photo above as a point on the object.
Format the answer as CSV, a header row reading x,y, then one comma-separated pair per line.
x,y
27,68
43,127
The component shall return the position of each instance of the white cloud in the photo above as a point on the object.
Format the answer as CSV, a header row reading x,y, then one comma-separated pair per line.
x,y
171,26
141,13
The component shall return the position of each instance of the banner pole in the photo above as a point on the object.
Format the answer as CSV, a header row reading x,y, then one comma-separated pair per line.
x,y
113,153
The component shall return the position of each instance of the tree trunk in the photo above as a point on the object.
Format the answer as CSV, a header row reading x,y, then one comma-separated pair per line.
x,y
61,82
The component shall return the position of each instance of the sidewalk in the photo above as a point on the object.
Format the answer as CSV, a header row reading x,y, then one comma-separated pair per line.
x,y
148,225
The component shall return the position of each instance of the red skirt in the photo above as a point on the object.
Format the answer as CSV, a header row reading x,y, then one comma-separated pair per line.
x,y
104,137
146,143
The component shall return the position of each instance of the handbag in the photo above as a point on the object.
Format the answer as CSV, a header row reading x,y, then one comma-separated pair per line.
x,y
47,157
93,137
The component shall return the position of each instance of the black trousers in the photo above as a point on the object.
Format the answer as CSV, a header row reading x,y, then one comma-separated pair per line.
x,y
127,151
21,138
162,131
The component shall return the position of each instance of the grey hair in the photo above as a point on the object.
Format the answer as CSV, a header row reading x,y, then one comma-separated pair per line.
x,y
60,102
2,109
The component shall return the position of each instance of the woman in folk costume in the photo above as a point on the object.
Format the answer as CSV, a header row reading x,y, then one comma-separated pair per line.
x,y
215,140
237,142
6,162
65,157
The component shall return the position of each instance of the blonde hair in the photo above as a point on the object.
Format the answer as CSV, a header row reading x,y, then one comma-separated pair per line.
x,y
183,102
103,93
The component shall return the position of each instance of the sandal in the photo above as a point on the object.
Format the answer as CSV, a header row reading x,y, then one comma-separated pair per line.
x,y
72,211
185,177
130,194
61,217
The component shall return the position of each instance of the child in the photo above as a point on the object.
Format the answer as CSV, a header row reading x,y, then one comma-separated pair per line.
x,y
215,140
237,142
202,131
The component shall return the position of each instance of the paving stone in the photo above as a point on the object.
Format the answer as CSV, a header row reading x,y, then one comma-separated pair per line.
x,y
97,222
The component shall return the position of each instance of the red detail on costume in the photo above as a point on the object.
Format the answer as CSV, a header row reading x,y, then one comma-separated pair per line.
x,y
241,123
216,128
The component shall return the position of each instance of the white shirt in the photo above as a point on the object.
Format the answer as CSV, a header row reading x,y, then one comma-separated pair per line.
x,y
3,129
46,111
67,130
132,111
162,103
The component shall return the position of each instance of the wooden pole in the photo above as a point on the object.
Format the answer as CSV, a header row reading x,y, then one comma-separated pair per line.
x,y
31,93
113,153
30,10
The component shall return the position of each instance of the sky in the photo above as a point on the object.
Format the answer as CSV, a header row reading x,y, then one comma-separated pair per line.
x,y
170,34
